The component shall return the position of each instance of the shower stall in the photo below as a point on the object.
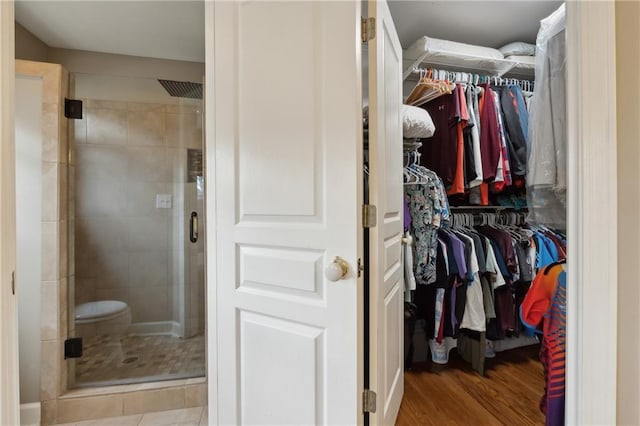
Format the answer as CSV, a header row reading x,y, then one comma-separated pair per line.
x,y
137,210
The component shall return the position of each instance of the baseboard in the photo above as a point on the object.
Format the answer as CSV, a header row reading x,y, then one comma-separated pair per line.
x,y
155,328
30,414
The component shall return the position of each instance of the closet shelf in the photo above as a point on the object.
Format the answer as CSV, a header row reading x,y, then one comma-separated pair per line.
x,y
453,61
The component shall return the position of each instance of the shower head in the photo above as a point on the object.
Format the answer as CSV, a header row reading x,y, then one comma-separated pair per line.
x,y
182,89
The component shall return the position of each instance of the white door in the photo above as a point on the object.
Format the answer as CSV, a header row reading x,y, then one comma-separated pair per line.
x,y
386,192
288,171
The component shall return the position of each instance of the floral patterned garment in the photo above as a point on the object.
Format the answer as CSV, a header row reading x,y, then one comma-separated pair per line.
x,y
429,210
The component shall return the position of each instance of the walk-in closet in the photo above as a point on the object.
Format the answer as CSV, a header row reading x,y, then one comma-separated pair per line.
x,y
484,243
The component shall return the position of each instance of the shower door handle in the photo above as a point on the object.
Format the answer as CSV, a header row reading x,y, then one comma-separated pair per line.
x,y
193,227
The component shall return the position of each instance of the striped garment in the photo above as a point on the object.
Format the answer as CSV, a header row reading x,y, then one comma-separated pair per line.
x,y
546,302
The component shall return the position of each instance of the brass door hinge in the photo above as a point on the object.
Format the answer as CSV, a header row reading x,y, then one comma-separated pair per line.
x,y
369,213
368,29
368,401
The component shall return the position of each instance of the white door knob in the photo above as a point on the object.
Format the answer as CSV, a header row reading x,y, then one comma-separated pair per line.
x,y
337,269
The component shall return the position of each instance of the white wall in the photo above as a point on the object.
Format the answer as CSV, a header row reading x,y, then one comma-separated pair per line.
x,y
28,119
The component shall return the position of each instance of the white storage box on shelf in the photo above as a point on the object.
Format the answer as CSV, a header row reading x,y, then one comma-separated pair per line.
x,y
443,54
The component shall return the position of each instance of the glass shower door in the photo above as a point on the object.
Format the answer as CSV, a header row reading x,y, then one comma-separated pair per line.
x,y
138,219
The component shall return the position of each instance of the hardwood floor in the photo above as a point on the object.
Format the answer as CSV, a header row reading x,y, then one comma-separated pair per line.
x,y
454,394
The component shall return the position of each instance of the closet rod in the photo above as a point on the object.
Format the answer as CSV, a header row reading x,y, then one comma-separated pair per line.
x,y
487,208
467,77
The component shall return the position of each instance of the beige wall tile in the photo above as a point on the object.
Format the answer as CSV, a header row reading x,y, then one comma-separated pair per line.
x,y
98,235
121,294
146,107
52,83
80,128
95,198
63,303
63,192
85,290
113,421
184,130
64,82
101,162
71,195
50,190
95,103
96,407
147,232
148,269
49,310
49,370
112,269
171,417
63,248
63,145
146,128
106,126
178,165
148,164
196,395
150,401
149,304
141,198
71,288
50,131
50,256
72,246
48,412
188,108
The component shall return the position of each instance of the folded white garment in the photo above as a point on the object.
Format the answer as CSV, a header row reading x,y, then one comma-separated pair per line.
x,y
416,123
518,48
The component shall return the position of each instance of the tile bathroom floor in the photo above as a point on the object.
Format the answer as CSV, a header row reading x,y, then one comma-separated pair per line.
x,y
185,417
135,359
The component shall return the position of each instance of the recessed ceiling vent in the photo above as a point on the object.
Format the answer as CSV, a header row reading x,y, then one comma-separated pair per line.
x,y
182,89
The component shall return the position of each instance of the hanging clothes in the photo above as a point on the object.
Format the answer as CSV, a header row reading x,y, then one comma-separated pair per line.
x,y
546,174
545,303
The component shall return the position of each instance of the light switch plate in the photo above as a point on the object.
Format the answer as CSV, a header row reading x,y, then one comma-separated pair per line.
x,y
163,201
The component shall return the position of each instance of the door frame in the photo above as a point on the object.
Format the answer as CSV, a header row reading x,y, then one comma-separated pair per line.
x,y
9,391
592,216
211,271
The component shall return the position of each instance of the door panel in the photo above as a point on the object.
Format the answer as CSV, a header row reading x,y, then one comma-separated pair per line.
x,y
385,165
288,137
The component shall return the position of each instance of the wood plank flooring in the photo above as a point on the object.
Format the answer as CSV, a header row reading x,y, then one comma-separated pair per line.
x,y
454,394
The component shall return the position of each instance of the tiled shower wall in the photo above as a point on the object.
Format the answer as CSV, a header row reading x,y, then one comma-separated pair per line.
x,y
126,249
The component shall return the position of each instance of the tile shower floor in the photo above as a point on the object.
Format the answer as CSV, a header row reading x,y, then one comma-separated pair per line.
x,y
135,359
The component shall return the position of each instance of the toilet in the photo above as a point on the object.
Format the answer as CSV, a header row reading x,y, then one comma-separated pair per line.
x,y
104,317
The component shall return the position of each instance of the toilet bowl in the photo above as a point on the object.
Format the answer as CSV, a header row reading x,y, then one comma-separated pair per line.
x,y
104,317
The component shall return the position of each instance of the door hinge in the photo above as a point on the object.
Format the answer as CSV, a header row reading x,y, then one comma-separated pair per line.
x,y
368,401
369,213
73,347
368,29
13,282
73,108
360,267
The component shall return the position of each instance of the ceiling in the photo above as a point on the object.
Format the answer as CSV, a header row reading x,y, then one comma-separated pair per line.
x,y
171,29
174,29
484,23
